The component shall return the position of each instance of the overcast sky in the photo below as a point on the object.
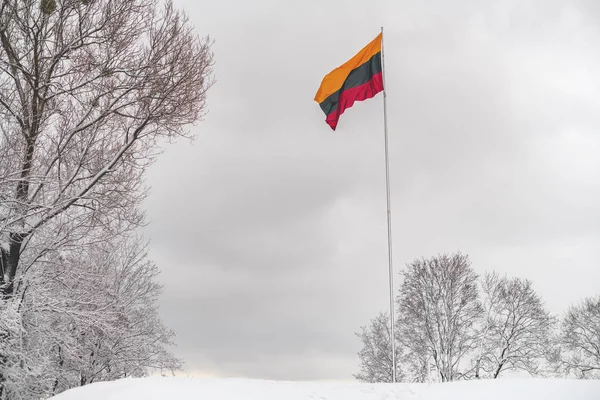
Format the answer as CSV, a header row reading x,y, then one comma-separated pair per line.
x,y
271,228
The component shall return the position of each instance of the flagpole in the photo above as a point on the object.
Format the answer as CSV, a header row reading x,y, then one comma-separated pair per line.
x,y
389,213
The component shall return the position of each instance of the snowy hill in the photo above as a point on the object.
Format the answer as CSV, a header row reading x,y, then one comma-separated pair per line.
x,y
242,389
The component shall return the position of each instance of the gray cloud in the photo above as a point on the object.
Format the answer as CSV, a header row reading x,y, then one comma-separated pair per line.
x,y
270,229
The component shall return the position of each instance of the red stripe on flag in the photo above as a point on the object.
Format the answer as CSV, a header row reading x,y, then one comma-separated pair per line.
x,y
349,97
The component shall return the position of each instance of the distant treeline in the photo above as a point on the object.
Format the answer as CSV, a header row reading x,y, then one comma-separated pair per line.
x,y
452,324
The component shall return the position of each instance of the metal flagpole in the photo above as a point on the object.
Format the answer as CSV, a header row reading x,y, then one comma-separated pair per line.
x,y
389,214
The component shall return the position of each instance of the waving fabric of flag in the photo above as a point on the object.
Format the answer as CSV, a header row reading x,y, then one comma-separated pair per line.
x,y
359,79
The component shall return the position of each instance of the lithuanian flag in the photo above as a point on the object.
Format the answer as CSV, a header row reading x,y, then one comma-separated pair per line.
x,y
359,79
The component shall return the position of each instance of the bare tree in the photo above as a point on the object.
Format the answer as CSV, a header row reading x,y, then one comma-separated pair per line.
x,y
375,355
515,329
578,350
438,309
88,91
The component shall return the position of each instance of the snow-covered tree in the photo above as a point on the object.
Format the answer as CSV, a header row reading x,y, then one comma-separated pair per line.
x,y
438,310
85,317
578,343
412,364
376,354
88,91
515,327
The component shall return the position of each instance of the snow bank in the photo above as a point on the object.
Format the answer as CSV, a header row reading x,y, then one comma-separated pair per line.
x,y
156,388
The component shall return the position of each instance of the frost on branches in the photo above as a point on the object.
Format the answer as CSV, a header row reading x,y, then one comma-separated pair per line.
x,y
438,310
577,351
85,317
89,92
515,328
376,352
453,325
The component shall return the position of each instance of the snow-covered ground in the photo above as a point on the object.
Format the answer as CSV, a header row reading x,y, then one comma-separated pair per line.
x,y
242,389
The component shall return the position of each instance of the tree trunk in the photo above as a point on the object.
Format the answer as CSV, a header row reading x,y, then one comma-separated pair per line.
x,y
10,262
501,363
498,370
